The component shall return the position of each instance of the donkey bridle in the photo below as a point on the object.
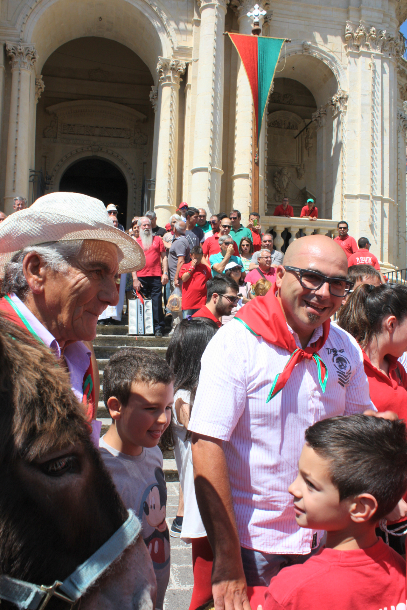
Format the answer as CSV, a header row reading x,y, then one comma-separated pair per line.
x,y
28,596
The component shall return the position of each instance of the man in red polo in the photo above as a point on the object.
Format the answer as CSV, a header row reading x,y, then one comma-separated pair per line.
x,y
346,242
284,209
221,298
362,256
211,245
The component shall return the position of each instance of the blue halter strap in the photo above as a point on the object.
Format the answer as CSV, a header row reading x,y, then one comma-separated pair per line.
x,y
28,596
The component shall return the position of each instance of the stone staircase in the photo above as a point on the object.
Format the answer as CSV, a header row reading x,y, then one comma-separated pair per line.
x,y
110,339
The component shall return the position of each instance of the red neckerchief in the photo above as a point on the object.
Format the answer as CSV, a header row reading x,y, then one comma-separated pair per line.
x,y
264,317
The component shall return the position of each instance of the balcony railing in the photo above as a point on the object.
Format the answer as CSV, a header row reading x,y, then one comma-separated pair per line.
x,y
398,276
279,224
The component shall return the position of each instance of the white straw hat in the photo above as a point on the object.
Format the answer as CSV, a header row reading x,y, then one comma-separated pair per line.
x,y
65,217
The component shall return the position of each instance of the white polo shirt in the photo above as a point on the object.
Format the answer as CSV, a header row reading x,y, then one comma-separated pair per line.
x,y
264,440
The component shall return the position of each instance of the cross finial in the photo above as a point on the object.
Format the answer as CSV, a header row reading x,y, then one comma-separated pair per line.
x,y
256,13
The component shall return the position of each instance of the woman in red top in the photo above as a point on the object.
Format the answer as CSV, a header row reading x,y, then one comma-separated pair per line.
x,y
377,317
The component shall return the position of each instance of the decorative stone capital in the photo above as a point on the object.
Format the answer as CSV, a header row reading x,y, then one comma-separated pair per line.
x,y
170,70
339,102
401,123
319,116
221,3
154,97
22,56
362,37
39,88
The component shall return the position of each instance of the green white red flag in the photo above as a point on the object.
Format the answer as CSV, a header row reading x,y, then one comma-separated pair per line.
x,y
259,55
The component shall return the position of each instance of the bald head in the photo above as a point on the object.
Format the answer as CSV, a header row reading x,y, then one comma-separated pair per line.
x,y
306,308
314,246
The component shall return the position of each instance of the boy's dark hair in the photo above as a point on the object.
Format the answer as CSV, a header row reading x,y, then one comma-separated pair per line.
x,y
356,273
219,285
366,455
197,250
191,212
254,214
133,364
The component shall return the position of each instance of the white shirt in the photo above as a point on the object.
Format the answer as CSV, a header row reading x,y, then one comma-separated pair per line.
x,y
264,440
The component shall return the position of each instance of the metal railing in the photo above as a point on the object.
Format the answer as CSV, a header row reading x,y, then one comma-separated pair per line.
x,y
398,276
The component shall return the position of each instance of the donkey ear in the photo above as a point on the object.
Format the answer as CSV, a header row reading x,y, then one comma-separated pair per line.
x,y
145,508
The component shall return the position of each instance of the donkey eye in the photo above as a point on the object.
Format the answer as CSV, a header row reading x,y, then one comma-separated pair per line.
x,y
60,466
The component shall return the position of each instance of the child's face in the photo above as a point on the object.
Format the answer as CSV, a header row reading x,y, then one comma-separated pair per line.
x,y
146,416
197,258
316,499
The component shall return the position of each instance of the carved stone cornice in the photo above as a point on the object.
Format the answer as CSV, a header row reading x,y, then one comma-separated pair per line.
x,y
319,116
339,102
22,56
222,3
401,122
402,78
170,70
39,88
154,97
362,37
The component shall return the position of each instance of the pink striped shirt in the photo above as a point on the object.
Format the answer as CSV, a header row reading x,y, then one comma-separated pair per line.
x,y
264,440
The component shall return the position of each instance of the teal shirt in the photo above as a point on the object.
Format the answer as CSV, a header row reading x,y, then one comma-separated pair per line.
x,y
206,227
218,258
240,233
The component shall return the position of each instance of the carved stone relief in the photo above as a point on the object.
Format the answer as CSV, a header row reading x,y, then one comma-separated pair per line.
x,y
39,88
282,98
369,38
281,181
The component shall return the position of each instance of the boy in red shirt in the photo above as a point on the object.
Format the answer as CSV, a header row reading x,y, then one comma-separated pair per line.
x,y
352,473
194,276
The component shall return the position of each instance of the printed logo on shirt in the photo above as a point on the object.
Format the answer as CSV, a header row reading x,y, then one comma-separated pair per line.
x,y
152,515
342,365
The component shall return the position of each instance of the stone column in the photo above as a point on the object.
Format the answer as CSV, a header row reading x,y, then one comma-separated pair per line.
x,y
320,117
22,58
206,170
242,166
155,102
401,187
170,72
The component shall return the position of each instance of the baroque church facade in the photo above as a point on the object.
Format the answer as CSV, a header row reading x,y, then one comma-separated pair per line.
x,y
144,103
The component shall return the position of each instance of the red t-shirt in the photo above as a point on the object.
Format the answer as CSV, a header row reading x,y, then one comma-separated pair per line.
x,y
256,237
388,393
204,312
305,212
363,257
364,579
153,258
194,289
280,211
348,245
211,246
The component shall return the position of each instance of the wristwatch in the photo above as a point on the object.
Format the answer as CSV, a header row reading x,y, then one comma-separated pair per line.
x,y
164,273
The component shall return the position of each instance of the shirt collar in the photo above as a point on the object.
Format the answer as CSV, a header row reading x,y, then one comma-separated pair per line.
x,y
314,337
39,329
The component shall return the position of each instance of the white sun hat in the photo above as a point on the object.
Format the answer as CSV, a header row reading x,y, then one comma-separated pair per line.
x,y
65,217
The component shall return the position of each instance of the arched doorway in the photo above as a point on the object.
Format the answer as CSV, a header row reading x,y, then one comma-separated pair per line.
x,y
97,178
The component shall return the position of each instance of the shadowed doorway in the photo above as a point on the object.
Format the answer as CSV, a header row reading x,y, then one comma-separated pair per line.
x,y
97,178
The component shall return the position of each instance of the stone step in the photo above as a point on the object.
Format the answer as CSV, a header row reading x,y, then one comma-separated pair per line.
x,y
103,353
130,341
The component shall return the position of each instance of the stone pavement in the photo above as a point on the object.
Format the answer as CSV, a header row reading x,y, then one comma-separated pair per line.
x,y
181,580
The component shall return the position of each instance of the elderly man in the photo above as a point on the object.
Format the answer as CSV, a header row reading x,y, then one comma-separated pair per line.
x,y
219,261
264,270
20,203
179,252
113,213
2,216
273,370
59,260
154,274
267,243
211,245
160,231
203,223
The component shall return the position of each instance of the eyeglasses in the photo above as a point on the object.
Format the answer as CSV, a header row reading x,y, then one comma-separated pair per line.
x,y
265,258
233,217
228,243
232,300
201,215
342,228
313,280
226,226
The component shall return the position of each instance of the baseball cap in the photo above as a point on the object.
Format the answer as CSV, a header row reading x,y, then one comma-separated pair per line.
x,y
111,207
232,265
182,205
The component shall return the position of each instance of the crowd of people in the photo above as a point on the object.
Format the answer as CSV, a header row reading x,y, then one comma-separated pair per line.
x,y
287,426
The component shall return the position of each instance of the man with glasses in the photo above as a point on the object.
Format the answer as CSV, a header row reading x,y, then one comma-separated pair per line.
x,y
202,222
264,269
211,245
238,231
265,377
220,300
346,242
267,243
226,255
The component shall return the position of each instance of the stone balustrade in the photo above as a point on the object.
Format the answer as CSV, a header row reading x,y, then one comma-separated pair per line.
x,y
293,225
